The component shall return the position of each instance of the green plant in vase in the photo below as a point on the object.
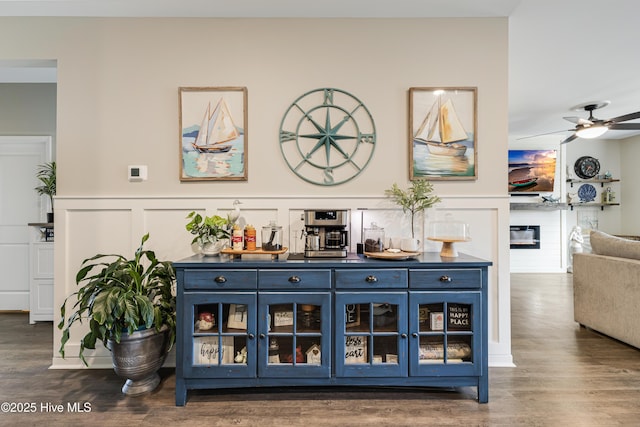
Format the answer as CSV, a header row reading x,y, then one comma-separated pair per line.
x,y
130,306
211,232
47,176
413,200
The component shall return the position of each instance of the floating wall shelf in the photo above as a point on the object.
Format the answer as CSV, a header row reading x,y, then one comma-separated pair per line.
x,y
538,206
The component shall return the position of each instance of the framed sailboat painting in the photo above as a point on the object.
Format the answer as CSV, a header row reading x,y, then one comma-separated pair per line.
x,y
442,133
213,133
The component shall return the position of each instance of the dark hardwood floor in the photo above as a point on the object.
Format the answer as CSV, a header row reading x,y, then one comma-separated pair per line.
x,y
565,376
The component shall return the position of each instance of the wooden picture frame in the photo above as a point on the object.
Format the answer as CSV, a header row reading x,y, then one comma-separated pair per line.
x,y
213,138
443,133
237,318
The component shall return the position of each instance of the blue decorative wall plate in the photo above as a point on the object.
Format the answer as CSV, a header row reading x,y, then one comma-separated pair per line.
x,y
587,193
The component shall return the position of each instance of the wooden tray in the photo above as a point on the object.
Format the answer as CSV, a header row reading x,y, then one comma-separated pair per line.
x,y
238,254
391,255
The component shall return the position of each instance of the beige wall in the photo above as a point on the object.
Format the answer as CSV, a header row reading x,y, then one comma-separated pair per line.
x,y
28,109
117,105
119,78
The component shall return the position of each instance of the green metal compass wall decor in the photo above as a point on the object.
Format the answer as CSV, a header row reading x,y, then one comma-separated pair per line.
x,y
327,136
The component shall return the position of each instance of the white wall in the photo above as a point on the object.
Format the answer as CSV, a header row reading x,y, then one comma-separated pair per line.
x,y
629,190
615,156
118,83
551,257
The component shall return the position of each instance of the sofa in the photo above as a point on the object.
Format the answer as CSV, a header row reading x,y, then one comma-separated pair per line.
x,y
606,287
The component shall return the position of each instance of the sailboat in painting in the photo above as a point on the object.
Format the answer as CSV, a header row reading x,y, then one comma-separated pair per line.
x,y
441,130
217,127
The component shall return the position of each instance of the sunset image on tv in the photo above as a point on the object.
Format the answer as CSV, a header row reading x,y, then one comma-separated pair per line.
x,y
532,170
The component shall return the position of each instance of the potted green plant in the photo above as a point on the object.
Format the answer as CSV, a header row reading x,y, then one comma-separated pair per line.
x,y
414,200
211,232
130,306
47,176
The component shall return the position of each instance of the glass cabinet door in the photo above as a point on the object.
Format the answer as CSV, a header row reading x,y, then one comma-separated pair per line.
x,y
371,334
221,328
445,333
295,334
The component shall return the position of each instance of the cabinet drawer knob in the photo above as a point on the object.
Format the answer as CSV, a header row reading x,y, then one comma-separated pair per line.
x,y
251,336
445,279
220,279
415,335
403,335
262,336
294,279
371,279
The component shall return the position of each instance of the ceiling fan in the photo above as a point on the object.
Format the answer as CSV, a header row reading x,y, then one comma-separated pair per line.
x,y
593,127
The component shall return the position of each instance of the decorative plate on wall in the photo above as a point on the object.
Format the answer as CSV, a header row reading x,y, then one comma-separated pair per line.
x,y
587,193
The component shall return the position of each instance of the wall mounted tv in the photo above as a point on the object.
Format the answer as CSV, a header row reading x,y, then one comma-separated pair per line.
x,y
531,171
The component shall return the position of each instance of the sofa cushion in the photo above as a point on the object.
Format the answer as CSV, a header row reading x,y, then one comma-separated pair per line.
x,y
606,244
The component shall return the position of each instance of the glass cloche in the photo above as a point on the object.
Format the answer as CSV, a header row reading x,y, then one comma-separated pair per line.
x,y
448,232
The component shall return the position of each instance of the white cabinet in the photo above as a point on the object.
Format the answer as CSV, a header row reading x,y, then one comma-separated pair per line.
x,y
40,272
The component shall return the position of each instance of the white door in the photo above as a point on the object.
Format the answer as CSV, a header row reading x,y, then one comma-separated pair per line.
x,y
20,157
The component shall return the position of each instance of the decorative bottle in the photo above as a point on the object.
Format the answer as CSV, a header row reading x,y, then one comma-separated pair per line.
x,y
250,238
236,238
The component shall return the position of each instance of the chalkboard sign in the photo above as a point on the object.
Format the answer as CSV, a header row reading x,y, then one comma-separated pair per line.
x,y
355,349
459,317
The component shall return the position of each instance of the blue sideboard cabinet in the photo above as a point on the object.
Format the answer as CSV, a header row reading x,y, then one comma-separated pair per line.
x,y
357,321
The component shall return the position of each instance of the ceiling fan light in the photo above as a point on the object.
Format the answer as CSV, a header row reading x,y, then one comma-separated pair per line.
x,y
589,132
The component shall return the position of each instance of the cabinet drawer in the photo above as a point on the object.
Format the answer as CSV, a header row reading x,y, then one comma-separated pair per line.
x,y
220,279
371,279
446,279
293,279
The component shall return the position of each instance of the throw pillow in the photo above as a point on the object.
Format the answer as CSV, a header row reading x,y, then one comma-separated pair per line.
x,y
606,244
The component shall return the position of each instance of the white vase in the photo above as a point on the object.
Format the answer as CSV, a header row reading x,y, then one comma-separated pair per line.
x,y
212,248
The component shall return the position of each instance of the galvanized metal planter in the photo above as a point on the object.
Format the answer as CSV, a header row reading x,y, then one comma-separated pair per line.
x,y
138,357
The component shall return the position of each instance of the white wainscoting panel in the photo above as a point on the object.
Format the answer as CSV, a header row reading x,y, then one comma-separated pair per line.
x,y
87,225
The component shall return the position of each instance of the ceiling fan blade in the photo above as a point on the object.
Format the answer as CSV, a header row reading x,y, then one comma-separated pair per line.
x,y
626,117
571,138
547,133
578,120
625,126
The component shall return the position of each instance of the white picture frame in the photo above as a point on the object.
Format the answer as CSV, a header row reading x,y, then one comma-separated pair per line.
x,y
436,320
283,318
355,349
206,350
237,318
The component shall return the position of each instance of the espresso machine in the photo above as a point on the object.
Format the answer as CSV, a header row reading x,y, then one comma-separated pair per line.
x,y
326,233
